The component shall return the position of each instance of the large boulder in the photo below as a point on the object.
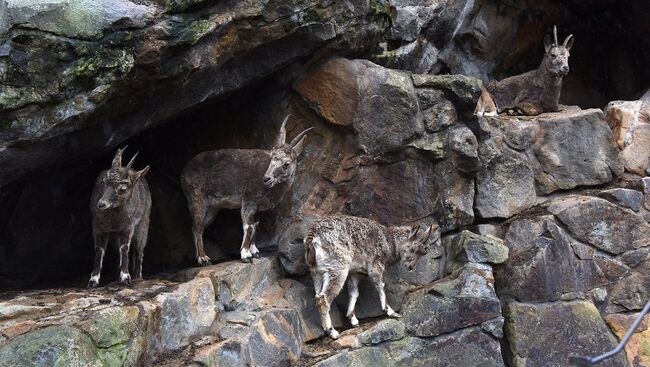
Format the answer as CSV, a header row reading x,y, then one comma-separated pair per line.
x,y
52,346
543,265
467,347
636,348
602,224
452,304
547,334
380,104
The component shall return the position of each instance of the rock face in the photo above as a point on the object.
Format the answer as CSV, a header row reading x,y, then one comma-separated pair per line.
x,y
524,264
630,123
69,62
545,335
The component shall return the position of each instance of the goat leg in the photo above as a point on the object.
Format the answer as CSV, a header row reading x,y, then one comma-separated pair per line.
x,y
101,240
125,244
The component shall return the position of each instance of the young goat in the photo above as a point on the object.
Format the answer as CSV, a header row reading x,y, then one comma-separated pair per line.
x,y
340,247
250,179
533,92
120,206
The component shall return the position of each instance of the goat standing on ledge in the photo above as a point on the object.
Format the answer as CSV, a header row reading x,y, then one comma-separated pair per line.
x,y
250,179
340,246
536,91
120,205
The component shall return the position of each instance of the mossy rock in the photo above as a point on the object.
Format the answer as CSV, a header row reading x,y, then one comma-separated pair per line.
x,y
56,346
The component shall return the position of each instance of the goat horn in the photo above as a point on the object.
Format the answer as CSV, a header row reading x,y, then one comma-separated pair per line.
x,y
567,40
128,166
555,35
117,159
298,137
282,136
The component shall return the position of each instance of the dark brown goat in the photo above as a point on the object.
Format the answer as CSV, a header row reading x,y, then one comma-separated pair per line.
x,y
249,179
538,90
120,206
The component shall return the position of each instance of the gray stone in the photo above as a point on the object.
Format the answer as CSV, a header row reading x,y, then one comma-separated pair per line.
x,y
602,224
467,347
452,304
623,197
574,148
185,313
542,264
471,247
505,183
383,331
465,89
494,327
547,334
273,339
369,356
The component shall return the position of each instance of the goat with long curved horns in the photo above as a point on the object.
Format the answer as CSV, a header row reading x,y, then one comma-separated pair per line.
x,y
251,180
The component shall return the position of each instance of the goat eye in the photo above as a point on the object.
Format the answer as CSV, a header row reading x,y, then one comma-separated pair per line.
x,y
286,164
121,189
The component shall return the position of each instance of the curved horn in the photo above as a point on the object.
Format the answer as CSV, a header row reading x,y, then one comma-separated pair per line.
x,y
282,136
298,137
567,40
128,166
555,35
117,160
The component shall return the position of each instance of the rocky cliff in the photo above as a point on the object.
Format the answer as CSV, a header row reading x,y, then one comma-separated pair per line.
x,y
546,220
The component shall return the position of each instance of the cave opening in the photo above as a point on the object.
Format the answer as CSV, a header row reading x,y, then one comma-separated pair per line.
x,y
45,219
610,55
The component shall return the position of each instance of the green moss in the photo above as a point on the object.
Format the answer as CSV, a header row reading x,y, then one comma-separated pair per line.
x,y
104,59
56,346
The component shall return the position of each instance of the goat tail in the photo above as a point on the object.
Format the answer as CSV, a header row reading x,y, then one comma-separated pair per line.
x,y
310,250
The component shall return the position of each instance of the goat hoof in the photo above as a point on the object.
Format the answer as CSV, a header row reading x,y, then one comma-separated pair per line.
x,y
204,261
247,260
93,284
354,321
125,278
333,333
256,255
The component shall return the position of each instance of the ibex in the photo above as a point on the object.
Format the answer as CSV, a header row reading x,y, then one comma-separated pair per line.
x,y
249,179
120,206
340,247
533,92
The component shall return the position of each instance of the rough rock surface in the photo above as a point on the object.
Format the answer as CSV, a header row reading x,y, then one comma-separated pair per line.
x,y
67,63
630,123
390,141
547,334
451,304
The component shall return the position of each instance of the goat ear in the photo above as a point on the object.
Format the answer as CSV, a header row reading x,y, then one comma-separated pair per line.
x,y
297,149
547,43
414,231
139,174
117,160
282,136
569,42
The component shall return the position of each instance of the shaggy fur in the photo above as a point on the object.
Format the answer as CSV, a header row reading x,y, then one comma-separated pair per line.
x,y
341,247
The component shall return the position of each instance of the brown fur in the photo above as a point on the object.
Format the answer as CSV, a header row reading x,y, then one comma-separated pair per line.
x,y
249,179
120,206
341,247
536,91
